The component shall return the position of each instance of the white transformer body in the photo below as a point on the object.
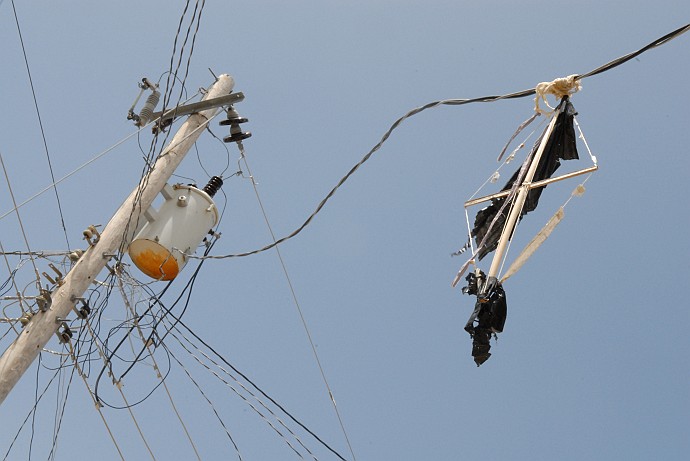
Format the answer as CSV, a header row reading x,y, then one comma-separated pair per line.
x,y
159,249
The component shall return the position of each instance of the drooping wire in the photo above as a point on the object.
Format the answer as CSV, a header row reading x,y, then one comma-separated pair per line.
x,y
40,124
177,320
13,281
447,102
227,151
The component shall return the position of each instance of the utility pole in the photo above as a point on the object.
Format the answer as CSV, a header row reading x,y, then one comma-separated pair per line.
x,y
43,325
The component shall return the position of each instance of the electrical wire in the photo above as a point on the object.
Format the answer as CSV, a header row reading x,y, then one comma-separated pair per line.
x,y
167,93
19,219
255,386
155,300
238,393
210,403
177,319
53,448
31,411
296,302
446,102
98,407
70,174
40,124
132,311
411,113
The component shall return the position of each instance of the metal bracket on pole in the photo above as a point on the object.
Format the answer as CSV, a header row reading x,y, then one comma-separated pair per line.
x,y
213,103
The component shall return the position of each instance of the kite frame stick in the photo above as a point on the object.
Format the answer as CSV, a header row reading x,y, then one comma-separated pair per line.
x,y
533,185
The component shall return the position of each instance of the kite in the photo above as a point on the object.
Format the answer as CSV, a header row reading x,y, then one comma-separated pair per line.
x,y
495,225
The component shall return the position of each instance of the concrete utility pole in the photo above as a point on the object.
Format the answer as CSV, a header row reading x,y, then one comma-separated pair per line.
x,y
43,325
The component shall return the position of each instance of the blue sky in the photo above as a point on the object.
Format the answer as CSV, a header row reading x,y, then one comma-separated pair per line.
x,y
593,361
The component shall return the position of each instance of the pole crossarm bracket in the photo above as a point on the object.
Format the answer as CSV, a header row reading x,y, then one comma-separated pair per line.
x,y
192,108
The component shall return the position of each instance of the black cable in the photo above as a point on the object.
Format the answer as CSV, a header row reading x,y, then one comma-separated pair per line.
x,y
33,409
203,394
180,322
623,59
155,301
40,124
62,414
452,102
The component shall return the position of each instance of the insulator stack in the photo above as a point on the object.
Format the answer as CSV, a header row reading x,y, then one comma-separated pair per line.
x,y
147,111
234,120
214,184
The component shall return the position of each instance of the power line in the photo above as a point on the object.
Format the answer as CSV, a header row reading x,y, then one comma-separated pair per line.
x,y
255,386
73,172
40,124
297,304
446,102
21,225
237,392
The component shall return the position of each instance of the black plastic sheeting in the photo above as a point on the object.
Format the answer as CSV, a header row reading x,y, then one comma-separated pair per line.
x,y
489,315
561,145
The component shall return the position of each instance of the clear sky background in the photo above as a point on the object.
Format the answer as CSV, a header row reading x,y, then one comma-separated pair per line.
x,y
593,363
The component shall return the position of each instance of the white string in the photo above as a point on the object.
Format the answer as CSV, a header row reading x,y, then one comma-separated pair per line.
x,y
582,136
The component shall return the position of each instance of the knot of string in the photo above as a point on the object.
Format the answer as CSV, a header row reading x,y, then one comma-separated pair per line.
x,y
564,86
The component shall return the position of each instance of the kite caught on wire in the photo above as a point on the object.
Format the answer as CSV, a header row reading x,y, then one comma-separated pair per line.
x,y
495,225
